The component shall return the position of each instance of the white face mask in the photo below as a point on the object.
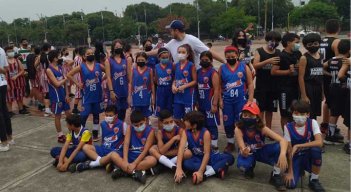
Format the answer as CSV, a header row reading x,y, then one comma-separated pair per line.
x,y
140,128
109,120
169,127
300,119
181,56
11,54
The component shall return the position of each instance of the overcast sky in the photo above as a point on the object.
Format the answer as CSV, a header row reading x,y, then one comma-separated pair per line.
x,y
12,9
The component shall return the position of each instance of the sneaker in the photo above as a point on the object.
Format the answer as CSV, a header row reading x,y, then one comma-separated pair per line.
x,y
346,148
75,111
278,182
229,148
61,139
25,107
332,140
23,111
139,176
96,135
315,185
249,173
109,167
83,166
47,114
157,169
12,142
71,95
222,172
4,148
72,167
41,107
117,173
55,162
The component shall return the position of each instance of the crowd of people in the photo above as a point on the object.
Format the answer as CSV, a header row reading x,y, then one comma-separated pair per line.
x,y
178,83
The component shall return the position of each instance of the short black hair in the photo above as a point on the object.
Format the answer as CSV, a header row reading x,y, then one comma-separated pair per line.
x,y
310,38
209,44
46,47
141,54
195,118
136,116
273,35
127,47
37,50
73,119
332,26
207,54
300,106
289,37
147,40
52,55
111,108
23,39
164,114
344,46
8,48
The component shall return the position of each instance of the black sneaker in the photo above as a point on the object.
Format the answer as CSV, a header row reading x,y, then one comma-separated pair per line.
x,y
139,176
331,140
315,185
72,167
83,166
346,148
157,169
41,107
117,173
249,174
23,111
55,162
278,182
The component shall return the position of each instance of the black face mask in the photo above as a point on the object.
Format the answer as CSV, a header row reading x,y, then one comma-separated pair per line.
x,y
141,64
231,61
249,123
118,51
242,42
312,49
205,64
60,61
148,48
91,58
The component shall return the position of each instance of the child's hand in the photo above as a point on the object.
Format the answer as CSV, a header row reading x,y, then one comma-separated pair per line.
x,y
214,109
176,138
181,88
199,177
282,163
292,69
305,98
346,61
80,85
179,175
245,152
289,179
221,103
59,165
174,89
131,167
68,99
113,96
63,168
14,78
274,60
294,150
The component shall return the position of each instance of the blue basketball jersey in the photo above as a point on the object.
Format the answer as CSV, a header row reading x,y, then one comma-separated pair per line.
x,y
253,139
183,75
233,82
76,138
137,143
296,138
196,145
91,79
112,135
164,75
152,61
141,94
57,94
165,138
119,77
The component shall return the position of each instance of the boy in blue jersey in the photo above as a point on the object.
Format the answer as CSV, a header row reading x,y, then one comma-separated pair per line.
x,y
134,159
305,142
250,133
235,78
118,70
112,134
58,92
184,82
91,74
164,77
208,95
66,156
168,137
204,162
141,86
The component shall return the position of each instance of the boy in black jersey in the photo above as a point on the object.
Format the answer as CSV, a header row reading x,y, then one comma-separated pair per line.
x,y
335,103
266,92
286,72
311,74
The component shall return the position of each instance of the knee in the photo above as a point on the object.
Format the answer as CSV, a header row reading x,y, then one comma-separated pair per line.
x,y
230,159
316,155
187,154
55,151
153,150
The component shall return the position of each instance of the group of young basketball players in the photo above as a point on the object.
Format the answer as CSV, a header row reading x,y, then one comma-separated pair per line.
x,y
188,101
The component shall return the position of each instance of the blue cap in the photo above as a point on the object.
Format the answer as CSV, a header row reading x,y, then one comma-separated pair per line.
x,y
175,24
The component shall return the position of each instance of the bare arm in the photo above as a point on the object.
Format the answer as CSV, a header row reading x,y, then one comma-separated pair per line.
x,y
344,68
126,144
152,52
149,142
250,84
217,57
207,151
216,86
239,138
72,73
53,79
302,67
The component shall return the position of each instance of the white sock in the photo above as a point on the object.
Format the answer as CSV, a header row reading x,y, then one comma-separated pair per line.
x,y
313,176
174,160
276,170
214,143
332,129
59,134
47,110
166,162
96,127
95,163
230,140
209,171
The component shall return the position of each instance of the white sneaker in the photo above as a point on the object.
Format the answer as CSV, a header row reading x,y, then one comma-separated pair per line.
x,y
4,148
47,113
12,142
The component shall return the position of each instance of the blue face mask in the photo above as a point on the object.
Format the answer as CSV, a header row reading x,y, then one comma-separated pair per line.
x,y
164,61
141,128
296,47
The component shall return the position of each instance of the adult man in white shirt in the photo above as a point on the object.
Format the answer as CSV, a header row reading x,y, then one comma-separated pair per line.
x,y
180,38
5,121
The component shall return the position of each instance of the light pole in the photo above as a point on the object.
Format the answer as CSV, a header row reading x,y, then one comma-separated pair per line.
x,y
145,23
272,15
288,21
103,28
198,20
258,17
